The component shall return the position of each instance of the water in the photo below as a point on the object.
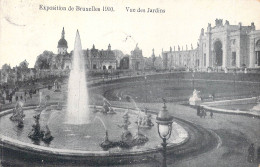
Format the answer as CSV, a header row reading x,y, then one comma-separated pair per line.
x,y
78,100
87,137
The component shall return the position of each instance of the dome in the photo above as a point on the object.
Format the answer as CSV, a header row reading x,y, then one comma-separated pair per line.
x,y
62,43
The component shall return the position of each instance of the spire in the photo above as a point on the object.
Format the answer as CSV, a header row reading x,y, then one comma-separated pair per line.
x,y
109,47
153,51
63,33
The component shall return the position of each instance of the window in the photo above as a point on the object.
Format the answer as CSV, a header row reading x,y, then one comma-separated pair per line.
x,y
94,66
204,59
233,61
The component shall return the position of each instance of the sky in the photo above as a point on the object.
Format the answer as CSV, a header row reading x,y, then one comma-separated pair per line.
x,y
26,31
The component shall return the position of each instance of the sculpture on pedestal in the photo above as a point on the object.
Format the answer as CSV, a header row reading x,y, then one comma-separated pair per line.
x,y
37,134
195,99
18,114
145,120
107,109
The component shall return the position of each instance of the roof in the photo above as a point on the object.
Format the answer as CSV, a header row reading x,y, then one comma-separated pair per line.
x,y
62,43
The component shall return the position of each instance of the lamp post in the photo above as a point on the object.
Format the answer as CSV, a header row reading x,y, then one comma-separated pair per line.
x,y
145,82
103,85
164,125
193,80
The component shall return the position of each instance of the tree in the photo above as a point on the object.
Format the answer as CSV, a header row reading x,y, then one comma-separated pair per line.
x,y
6,68
44,60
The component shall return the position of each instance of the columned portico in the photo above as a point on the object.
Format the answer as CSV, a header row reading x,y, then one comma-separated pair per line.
x,y
224,63
252,56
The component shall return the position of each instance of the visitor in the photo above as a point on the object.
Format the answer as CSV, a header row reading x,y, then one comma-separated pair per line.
x,y
10,98
211,114
198,111
258,155
201,112
251,153
16,98
21,97
204,113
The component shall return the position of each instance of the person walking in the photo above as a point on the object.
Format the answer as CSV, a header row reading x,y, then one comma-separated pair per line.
x,y
211,114
204,113
16,98
198,111
10,98
201,112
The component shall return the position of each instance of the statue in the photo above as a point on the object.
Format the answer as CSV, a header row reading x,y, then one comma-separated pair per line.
x,y
127,139
107,109
225,70
18,114
47,137
145,120
36,133
95,109
59,106
245,71
57,86
106,144
195,99
41,106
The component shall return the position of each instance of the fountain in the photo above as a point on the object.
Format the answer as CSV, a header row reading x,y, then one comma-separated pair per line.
x,y
78,101
73,131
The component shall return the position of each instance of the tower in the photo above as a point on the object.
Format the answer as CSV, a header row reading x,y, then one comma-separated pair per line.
x,y
62,44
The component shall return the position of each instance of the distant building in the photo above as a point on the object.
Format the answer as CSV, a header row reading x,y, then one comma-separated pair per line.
x,y
100,59
95,59
221,46
180,58
226,45
136,60
63,58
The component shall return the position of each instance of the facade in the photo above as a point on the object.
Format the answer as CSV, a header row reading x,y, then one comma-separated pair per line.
x,y
136,60
100,59
221,46
180,58
229,46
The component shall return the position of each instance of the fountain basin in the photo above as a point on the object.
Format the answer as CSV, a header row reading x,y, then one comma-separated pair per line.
x,y
243,106
82,144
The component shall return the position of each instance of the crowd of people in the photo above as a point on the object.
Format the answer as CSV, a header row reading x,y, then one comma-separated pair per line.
x,y
252,157
202,113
